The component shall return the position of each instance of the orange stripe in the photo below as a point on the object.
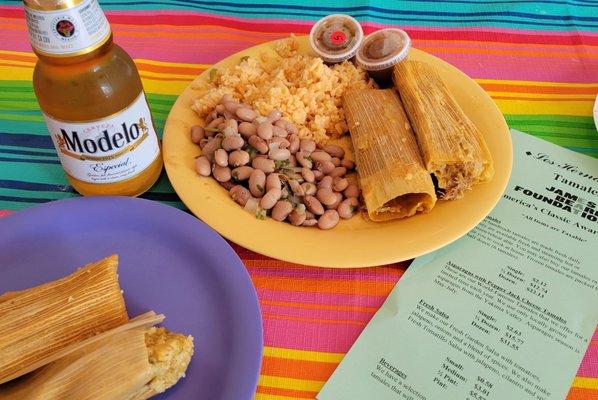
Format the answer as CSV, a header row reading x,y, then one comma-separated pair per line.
x,y
14,65
299,394
297,369
582,394
153,78
311,306
170,69
19,57
315,320
559,99
324,285
494,87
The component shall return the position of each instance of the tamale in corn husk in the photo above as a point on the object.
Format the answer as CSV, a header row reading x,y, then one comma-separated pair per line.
x,y
452,147
130,362
392,176
116,367
37,324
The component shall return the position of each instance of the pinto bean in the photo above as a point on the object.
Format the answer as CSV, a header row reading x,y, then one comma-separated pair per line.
x,y
221,157
352,190
347,207
281,210
319,156
238,158
338,171
328,220
259,144
308,174
240,194
339,184
245,114
203,166
325,166
242,173
326,196
270,198
273,181
334,150
264,130
230,143
296,218
197,133
257,182
264,164
221,174
313,205
247,129
307,145
279,154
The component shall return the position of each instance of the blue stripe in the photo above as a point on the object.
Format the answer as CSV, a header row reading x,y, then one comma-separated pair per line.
x,y
26,140
34,186
29,153
49,187
21,160
22,200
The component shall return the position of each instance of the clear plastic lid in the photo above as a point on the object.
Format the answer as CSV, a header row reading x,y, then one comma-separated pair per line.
x,y
383,49
336,37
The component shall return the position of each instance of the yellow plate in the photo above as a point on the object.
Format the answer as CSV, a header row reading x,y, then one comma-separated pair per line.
x,y
355,242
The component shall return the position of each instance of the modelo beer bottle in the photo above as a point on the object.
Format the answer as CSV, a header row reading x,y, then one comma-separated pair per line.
x,y
92,100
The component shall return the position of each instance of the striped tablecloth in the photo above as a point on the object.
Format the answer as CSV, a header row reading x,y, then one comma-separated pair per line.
x,y
537,59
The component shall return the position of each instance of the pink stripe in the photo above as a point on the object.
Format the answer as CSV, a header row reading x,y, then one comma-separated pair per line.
x,y
4,213
589,364
331,315
321,298
367,274
518,69
309,336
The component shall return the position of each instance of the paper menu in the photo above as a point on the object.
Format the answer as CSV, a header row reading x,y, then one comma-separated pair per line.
x,y
507,311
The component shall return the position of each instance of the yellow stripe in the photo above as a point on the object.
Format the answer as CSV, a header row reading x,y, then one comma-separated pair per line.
x,y
172,64
164,87
166,75
523,107
303,355
290,383
535,83
16,73
263,396
585,383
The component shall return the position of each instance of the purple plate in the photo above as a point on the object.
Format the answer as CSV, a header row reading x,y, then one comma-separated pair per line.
x,y
170,262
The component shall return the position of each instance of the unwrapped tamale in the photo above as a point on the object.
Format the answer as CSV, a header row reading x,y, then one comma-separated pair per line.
x,y
37,324
392,176
452,147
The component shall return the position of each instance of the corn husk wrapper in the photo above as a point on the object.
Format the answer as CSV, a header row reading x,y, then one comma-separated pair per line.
x,y
452,147
112,365
392,176
38,324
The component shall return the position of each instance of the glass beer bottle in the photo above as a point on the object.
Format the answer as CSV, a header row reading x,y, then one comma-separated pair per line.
x,y
92,100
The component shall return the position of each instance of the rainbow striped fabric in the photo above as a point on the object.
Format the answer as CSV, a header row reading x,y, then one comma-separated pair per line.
x,y
537,59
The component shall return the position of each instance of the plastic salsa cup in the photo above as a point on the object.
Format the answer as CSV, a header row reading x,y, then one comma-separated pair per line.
x,y
336,38
380,52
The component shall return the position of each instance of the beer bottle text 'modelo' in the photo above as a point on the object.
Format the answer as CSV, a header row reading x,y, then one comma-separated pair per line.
x,y
92,99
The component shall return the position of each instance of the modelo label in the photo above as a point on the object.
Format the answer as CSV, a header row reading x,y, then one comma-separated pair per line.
x,y
109,150
67,31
